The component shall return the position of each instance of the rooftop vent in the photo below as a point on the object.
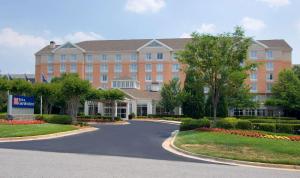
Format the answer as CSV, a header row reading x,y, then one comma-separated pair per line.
x,y
52,44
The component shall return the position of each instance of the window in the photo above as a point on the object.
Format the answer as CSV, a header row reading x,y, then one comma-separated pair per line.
x,y
175,68
253,87
104,78
148,77
148,67
118,68
133,76
269,76
50,58
73,67
174,56
62,58
103,68
269,87
148,56
253,54
89,58
133,57
148,86
104,58
253,76
133,67
159,67
62,67
269,54
118,58
160,56
50,68
73,58
269,66
159,78
89,77
89,68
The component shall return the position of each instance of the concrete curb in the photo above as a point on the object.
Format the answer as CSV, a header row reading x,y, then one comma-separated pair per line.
x,y
48,136
160,121
168,144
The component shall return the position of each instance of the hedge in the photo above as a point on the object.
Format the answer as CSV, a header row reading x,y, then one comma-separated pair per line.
x,y
3,116
244,125
268,127
191,124
275,121
227,123
56,119
272,118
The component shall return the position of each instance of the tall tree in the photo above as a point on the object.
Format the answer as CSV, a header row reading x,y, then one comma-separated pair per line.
x,y
194,99
20,87
286,93
171,95
214,58
296,69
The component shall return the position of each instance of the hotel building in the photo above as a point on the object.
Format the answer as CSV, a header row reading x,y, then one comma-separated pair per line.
x,y
139,68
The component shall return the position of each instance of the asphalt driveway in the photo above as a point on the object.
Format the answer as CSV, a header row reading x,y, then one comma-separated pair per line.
x,y
139,139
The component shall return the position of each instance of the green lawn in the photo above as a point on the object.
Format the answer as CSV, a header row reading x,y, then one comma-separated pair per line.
x,y
239,147
31,130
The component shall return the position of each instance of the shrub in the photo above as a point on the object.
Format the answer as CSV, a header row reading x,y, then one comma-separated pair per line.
x,y
285,128
264,117
244,125
227,123
191,124
57,119
3,116
269,127
275,121
131,115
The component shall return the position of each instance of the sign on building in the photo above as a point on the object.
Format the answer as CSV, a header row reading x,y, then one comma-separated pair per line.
x,y
20,107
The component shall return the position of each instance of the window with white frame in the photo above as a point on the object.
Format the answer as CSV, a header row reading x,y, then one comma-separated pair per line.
x,y
63,58
118,68
269,87
148,67
269,54
159,67
73,58
62,67
148,77
269,66
103,68
104,78
73,67
89,68
89,58
148,56
159,78
253,87
175,68
253,54
148,86
50,68
133,67
118,58
104,58
253,76
133,57
89,77
269,76
50,59
160,56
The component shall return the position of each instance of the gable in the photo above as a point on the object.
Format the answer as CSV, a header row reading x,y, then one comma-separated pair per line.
x,y
155,44
68,45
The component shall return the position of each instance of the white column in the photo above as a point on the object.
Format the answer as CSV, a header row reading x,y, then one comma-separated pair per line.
x,y
9,106
127,109
149,108
100,108
116,109
86,108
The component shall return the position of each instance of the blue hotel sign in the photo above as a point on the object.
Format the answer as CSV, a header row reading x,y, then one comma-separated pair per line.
x,y
22,102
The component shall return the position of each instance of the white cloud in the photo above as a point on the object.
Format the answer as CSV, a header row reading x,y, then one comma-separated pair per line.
x,y
185,35
17,49
207,28
276,3
143,6
252,24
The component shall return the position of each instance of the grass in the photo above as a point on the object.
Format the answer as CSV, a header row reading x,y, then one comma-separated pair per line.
x,y
240,147
32,130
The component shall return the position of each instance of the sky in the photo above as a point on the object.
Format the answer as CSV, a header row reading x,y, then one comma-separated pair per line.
x,y
28,25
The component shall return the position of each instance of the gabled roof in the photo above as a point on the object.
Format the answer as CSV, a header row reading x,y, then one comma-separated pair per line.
x,y
277,43
68,44
156,43
142,94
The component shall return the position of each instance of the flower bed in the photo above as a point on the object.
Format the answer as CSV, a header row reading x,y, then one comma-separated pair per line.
x,y
21,122
248,133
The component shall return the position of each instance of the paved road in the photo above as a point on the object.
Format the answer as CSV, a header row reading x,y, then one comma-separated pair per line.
x,y
138,139
115,151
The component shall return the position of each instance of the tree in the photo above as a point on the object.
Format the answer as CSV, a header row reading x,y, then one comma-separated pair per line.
x,y
171,95
214,58
73,89
286,93
194,99
20,87
296,69
112,96
3,94
46,91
